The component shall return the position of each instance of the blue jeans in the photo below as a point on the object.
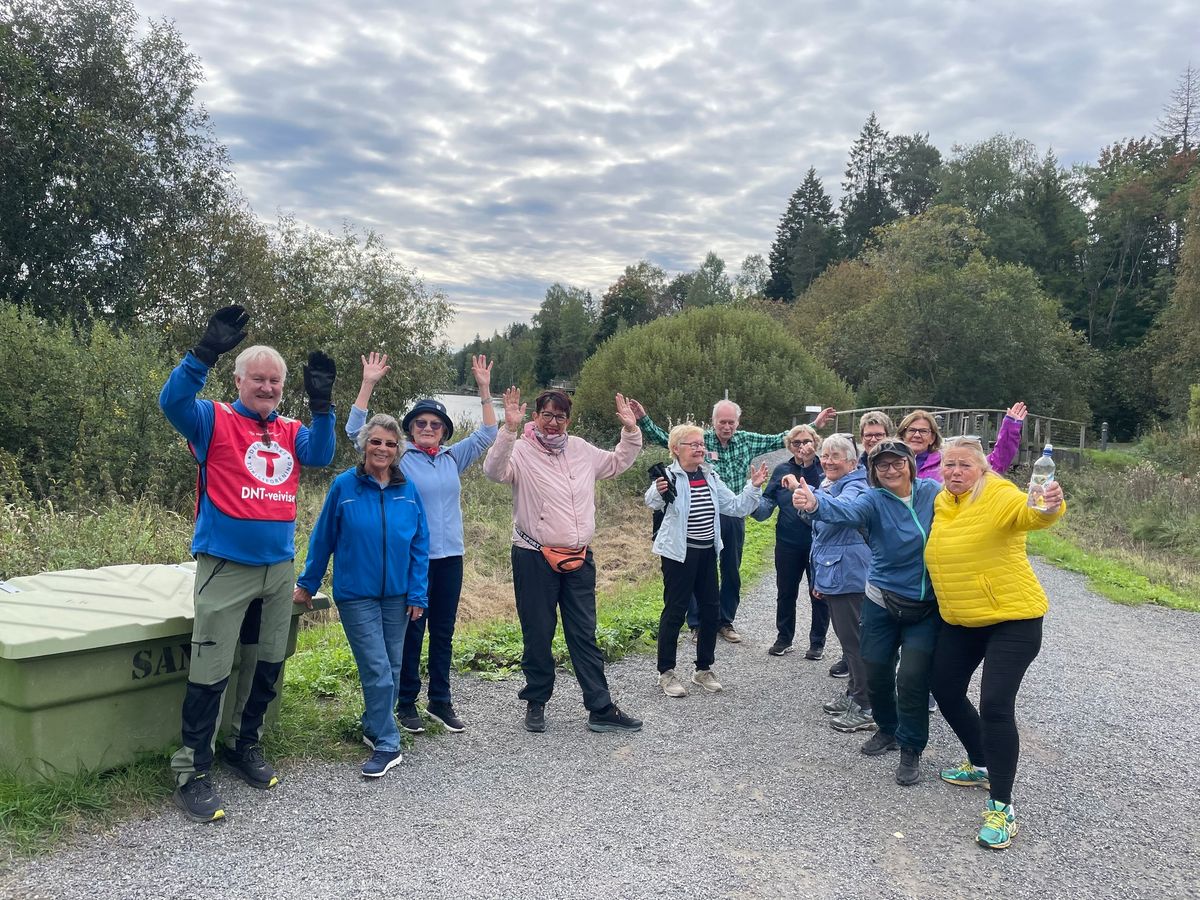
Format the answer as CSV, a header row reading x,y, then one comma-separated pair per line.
x,y
899,699
375,629
445,588
733,539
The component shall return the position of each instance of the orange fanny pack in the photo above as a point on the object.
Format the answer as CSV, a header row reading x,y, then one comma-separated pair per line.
x,y
560,559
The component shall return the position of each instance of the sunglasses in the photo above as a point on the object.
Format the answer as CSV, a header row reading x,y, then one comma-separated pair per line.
x,y
429,424
804,442
380,442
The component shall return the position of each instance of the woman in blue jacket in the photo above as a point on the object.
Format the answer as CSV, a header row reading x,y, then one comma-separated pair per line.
x,y
373,524
435,469
902,617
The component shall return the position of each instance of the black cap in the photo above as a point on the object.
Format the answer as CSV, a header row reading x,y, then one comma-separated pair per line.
x,y
430,405
890,447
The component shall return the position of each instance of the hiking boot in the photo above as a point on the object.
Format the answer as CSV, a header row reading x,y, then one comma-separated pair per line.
x,y
410,720
839,669
999,825
879,743
198,800
707,680
612,719
695,635
443,714
966,775
727,632
909,769
854,719
250,766
671,685
381,762
535,717
779,648
838,705
814,652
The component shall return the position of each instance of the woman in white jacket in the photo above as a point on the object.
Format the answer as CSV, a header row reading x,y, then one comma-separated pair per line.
x,y
689,543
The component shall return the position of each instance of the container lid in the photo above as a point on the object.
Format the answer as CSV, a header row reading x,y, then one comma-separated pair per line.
x,y
83,609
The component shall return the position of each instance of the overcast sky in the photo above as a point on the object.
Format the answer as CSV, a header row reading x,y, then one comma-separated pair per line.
x,y
500,147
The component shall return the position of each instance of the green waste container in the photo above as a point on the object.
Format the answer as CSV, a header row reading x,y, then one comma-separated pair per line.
x,y
94,664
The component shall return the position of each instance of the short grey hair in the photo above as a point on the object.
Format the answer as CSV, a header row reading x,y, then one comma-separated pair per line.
x,y
841,446
379,420
254,354
875,417
737,410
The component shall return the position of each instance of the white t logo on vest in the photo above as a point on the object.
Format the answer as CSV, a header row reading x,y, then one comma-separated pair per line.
x,y
269,464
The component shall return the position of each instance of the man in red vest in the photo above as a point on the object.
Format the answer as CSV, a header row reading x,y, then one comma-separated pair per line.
x,y
249,460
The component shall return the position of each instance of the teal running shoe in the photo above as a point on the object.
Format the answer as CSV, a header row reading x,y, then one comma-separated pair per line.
x,y
966,775
999,825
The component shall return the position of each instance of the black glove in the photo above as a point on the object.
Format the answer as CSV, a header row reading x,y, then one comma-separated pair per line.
x,y
226,329
318,381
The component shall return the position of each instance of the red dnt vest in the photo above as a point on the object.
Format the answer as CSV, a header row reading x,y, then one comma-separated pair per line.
x,y
246,477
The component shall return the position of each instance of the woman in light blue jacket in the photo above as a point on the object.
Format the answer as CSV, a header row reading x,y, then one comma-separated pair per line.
x,y
689,542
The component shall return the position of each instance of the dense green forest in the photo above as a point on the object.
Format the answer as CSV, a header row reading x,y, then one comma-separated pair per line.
x,y
963,278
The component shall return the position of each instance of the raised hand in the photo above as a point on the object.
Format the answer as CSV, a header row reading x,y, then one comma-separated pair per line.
x,y
824,417
319,373
482,370
514,409
1017,411
625,413
638,410
374,368
226,329
758,477
803,498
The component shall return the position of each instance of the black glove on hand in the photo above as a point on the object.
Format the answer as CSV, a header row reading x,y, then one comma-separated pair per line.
x,y
226,329
318,381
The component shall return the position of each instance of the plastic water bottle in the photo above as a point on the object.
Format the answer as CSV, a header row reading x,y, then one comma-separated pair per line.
x,y
1043,474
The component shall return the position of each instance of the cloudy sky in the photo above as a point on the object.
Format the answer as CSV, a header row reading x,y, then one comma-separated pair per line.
x,y
500,147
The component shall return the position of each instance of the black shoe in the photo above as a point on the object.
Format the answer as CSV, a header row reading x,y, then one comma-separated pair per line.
x,y
814,652
879,743
250,766
839,669
410,720
443,713
909,770
535,717
779,648
613,720
199,801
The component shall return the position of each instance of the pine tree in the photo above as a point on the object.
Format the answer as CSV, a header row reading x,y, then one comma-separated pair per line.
x,y
865,201
806,240
1180,122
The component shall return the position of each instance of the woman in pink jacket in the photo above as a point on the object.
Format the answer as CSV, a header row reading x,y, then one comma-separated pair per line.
x,y
553,478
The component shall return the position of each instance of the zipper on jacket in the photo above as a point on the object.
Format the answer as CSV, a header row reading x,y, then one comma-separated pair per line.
x,y
383,538
924,536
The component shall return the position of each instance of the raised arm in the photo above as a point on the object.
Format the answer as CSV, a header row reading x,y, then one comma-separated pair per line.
x,y
481,369
648,428
498,464
374,367
1008,441
611,463
745,503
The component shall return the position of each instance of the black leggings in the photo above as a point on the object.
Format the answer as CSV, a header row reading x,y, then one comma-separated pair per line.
x,y
990,734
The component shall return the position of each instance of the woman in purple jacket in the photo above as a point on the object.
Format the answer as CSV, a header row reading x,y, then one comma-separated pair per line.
x,y
919,430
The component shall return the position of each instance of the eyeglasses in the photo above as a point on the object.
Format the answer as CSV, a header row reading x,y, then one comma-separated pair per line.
x,y
803,442
918,432
874,435
379,442
429,424
696,445
895,465
553,417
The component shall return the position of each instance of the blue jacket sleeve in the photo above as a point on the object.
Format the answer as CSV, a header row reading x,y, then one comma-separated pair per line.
x,y
767,503
322,543
315,444
356,420
190,417
472,447
858,512
418,558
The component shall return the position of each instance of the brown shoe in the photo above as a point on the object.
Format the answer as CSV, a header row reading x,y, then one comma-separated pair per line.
x,y
727,632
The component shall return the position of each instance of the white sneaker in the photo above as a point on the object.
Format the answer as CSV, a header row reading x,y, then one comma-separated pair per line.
x,y
671,685
707,680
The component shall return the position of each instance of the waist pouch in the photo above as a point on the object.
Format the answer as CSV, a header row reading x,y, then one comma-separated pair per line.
x,y
905,611
560,559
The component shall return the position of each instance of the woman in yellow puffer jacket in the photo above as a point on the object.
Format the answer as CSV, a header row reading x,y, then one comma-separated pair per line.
x,y
992,605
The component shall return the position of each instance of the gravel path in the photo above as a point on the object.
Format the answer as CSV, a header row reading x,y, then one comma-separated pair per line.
x,y
748,793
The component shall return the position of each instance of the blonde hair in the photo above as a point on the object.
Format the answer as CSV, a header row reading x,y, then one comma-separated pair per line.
x,y
975,449
935,436
798,430
680,433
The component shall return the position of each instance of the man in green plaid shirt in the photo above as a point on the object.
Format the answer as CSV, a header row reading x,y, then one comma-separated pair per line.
x,y
730,453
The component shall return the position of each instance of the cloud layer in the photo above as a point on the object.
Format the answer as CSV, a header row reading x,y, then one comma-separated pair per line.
x,y
501,147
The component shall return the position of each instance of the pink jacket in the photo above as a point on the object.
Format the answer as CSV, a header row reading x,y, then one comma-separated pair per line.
x,y
554,494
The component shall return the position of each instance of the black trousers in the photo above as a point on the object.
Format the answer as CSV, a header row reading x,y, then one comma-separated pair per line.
x,y
793,562
695,576
540,591
989,734
846,612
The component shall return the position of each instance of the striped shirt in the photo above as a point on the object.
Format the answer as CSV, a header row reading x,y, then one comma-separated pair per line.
x,y
702,514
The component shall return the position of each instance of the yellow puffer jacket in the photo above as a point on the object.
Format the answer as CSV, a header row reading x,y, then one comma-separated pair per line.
x,y
976,555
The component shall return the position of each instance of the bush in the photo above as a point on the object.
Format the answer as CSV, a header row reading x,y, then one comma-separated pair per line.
x,y
679,366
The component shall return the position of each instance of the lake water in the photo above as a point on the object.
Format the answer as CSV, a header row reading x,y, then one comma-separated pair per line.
x,y
466,409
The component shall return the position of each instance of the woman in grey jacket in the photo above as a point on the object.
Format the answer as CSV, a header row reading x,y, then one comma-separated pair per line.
x,y
689,543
